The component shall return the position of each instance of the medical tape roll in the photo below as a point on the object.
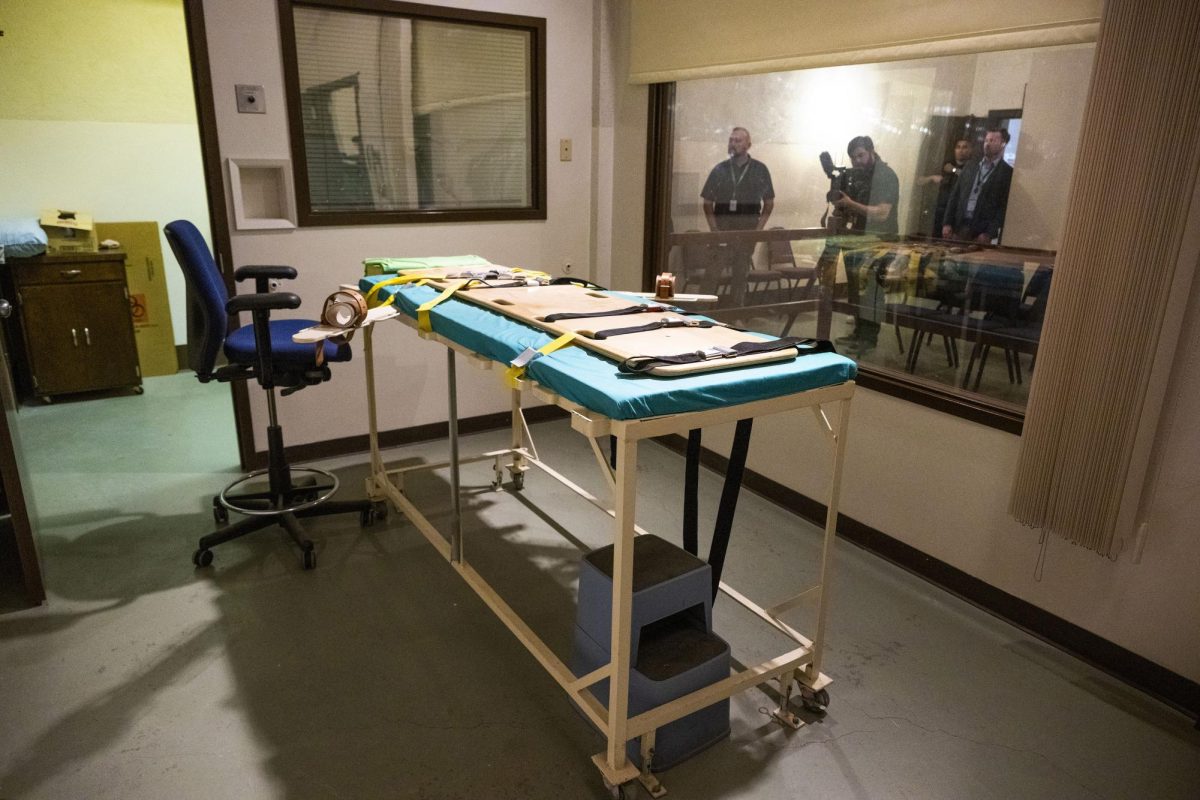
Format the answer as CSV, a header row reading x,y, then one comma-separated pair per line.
x,y
345,308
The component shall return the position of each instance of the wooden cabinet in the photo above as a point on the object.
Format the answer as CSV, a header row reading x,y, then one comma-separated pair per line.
x,y
74,327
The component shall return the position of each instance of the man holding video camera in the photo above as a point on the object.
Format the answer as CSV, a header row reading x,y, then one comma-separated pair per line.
x,y
738,196
872,211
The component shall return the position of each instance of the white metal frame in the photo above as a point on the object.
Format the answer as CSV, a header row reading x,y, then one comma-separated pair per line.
x,y
800,666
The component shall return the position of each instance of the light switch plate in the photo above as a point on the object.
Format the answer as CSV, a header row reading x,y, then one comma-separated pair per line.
x,y
564,149
250,99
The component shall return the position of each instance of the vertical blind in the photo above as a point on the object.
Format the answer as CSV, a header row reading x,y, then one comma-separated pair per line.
x,y
1093,411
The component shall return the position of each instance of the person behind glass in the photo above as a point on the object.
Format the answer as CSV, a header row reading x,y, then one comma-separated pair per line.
x,y
976,207
946,180
874,213
738,196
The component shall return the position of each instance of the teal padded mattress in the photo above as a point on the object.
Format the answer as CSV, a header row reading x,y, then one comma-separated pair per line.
x,y
594,382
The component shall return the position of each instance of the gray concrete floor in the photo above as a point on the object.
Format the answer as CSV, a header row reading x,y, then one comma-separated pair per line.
x,y
381,675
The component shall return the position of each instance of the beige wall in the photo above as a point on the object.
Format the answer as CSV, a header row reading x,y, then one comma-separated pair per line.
x,y
104,60
1049,145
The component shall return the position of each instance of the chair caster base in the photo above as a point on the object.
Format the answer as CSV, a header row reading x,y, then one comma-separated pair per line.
x,y
202,558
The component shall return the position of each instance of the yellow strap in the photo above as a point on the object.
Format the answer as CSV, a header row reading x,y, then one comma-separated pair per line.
x,y
513,375
373,295
533,273
423,322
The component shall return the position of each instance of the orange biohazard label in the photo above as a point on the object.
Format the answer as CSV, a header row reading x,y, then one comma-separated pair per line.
x,y
138,309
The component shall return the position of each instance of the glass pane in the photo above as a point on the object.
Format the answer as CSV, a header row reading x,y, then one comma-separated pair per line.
x,y
815,203
414,115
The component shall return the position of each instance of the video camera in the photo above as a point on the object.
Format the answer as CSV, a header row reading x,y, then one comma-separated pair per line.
x,y
854,183
845,180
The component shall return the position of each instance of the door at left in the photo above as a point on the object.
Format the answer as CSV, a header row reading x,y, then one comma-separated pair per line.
x,y
20,570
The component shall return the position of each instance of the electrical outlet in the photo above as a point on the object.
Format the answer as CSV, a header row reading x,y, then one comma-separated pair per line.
x,y
564,149
250,99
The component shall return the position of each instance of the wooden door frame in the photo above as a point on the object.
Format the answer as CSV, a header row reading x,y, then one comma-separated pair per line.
x,y
210,153
22,525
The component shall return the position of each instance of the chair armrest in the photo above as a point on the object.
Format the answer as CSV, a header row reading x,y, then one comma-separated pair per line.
x,y
262,302
264,271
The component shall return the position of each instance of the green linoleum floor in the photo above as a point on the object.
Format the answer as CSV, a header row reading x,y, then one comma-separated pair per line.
x,y
133,433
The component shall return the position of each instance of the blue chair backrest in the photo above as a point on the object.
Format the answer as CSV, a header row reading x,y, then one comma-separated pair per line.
x,y
207,289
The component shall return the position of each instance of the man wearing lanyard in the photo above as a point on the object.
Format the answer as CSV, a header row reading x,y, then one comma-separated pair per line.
x,y
975,210
738,196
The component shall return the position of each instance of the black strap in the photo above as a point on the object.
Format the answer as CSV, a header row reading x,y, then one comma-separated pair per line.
x,y
638,309
729,498
638,365
487,283
673,322
691,492
565,280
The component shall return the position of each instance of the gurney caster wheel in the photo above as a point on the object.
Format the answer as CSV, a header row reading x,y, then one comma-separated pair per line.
x,y
376,513
620,791
815,702
202,557
518,481
220,512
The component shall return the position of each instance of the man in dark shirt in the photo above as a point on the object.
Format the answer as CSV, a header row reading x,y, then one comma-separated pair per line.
x,y
875,213
976,208
946,180
738,196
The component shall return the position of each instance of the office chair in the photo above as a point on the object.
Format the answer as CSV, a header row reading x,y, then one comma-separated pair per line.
x,y
262,351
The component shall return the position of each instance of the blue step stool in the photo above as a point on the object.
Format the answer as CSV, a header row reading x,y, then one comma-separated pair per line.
x,y
674,651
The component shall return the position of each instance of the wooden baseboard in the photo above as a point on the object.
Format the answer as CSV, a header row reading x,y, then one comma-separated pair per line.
x,y
1138,671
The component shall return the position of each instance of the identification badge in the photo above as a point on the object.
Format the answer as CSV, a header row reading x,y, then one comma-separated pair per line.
x,y
733,205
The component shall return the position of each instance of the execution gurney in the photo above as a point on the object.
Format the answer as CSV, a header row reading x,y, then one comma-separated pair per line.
x,y
605,402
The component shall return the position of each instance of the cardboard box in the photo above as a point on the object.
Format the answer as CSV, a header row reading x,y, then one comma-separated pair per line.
x,y
148,303
68,231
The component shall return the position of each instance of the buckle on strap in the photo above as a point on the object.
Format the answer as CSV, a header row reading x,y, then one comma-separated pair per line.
x,y
524,357
716,352
680,322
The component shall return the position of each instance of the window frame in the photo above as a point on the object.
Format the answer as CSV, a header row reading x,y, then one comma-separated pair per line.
x,y
660,141
535,26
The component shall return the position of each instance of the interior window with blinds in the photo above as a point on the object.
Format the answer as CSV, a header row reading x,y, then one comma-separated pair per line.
x,y
423,114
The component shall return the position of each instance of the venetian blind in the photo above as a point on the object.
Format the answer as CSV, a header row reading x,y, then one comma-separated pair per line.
x,y
1126,262
473,114
407,114
676,40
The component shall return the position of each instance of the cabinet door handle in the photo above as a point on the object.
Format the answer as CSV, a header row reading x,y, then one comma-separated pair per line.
x,y
87,337
70,273
74,338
